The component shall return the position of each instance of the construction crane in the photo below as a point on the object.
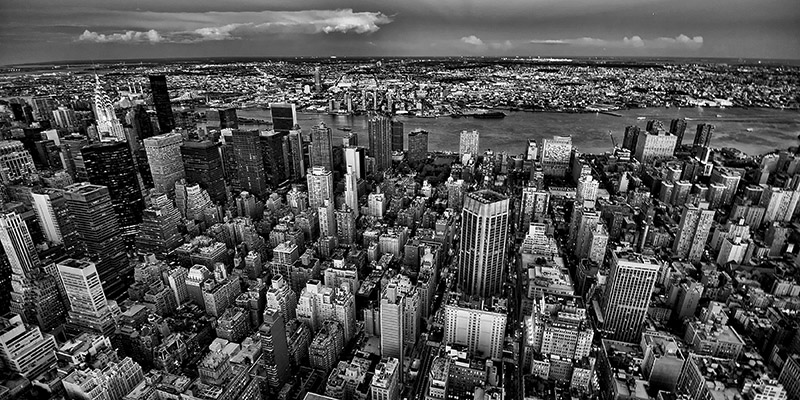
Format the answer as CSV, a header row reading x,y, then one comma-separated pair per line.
x,y
614,142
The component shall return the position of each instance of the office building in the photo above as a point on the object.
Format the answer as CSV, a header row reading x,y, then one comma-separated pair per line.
x,y
110,164
318,303
274,146
729,179
321,147
355,159
327,346
161,101
115,380
223,118
18,244
158,233
24,349
274,349
54,220
677,127
281,297
351,191
249,162
16,163
469,143
202,163
346,225
88,307
627,294
98,229
693,232
398,136
556,156
284,116
482,256
702,137
475,324
790,376
320,187
166,164
380,142
652,145
294,157
417,145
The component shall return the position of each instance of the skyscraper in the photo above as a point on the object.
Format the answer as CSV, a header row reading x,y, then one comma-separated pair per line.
x,y
16,163
274,156
108,125
88,307
351,191
97,226
53,216
274,349
627,294
469,143
556,155
354,158
158,233
417,145
692,232
321,147
482,257
110,164
249,162
164,158
677,127
398,136
320,187
18,244
202,162
652,145
284,116
380,142
295,157
160,92
475,325
702,137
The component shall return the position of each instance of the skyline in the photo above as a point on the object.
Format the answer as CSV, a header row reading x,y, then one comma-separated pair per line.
x,y
93,30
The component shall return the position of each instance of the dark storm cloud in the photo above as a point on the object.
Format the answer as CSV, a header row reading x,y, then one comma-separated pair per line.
x,y
186,28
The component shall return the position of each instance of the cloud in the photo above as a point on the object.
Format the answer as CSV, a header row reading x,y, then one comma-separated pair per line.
x,y
472,40
211,26
151,36
681,41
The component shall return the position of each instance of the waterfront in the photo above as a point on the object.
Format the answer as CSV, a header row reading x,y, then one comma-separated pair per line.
x,y
770,128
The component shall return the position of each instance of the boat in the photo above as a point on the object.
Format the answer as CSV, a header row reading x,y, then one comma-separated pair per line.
x,y
346,129
489,115
719,115
641,118
749,129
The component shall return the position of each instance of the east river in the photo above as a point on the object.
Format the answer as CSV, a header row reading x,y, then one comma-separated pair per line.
x,y
753,131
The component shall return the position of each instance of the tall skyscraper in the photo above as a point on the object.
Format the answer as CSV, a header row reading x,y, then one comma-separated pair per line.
x,y
160,92
53,216
677,127
398,136
274,156
250,162
295,156
321,147
108,125
320,187
274,349
346,225
351,191
202,162
158,233
556,155
354,158
482,257
393,304
18,244
417,145
164,158
469,143
34,294
110,164
88,307
284,116
627,294
692,232
380,142
98,228
702,137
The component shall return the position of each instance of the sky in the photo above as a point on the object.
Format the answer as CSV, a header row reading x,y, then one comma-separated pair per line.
x,y
57,30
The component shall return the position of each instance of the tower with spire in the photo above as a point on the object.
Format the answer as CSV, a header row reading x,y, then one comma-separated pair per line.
x,y
108,125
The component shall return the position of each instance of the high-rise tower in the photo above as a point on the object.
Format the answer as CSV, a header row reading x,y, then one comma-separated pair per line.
x,y
380,142
692,232
202,162
627,294
108,125
161,101
482,257
321,147
166,164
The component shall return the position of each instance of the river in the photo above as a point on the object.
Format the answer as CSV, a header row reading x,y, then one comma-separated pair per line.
x,y
753,131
